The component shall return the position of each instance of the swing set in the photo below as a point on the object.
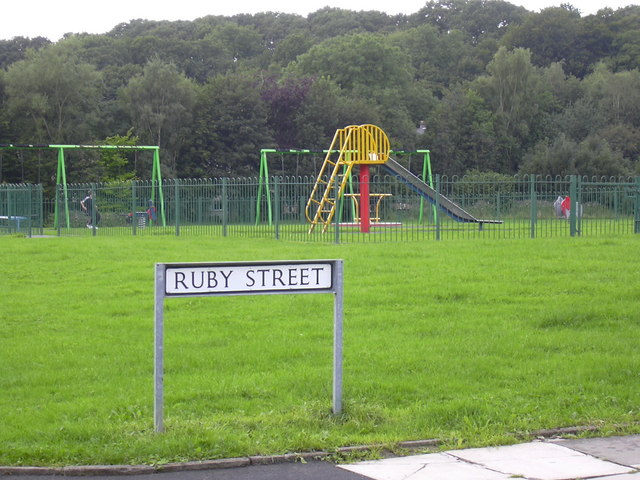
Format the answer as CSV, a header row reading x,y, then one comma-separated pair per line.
x,y
61,175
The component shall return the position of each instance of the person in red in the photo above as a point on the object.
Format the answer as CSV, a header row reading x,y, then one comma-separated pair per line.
x,y
566,206
151,212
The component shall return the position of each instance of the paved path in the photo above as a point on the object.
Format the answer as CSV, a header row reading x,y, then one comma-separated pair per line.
x,y
613,458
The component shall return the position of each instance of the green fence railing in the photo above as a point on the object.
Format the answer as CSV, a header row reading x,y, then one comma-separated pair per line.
x,y
523,206
21,209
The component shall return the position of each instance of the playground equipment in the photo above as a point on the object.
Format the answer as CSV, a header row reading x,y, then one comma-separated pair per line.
x,y
452,209
362,145
61,175
263,182
366,145
265,189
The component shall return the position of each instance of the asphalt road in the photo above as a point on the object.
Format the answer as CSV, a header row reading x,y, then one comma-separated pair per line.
x,y
314,470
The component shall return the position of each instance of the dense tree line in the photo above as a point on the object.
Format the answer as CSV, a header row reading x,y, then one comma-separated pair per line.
x,y
499,89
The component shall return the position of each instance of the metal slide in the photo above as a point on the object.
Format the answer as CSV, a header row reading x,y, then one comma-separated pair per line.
x,y
450,208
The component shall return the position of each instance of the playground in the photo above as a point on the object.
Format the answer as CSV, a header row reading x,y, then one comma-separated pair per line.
x,y
361,192
473,343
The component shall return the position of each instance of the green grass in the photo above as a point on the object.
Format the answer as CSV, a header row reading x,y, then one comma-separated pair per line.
x,y
473,342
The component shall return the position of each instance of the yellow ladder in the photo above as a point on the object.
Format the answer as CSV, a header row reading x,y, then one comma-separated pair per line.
x,y
354,145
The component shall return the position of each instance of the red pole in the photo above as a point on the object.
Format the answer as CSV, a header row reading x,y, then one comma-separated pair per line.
x,y
365,221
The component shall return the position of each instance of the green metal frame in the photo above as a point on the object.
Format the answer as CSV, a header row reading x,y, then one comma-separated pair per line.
x,y
61,174
426,170
264,180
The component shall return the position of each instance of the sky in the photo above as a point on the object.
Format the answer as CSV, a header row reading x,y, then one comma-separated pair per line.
x,y
53,18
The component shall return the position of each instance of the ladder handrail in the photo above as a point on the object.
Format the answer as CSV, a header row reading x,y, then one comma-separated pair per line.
x,y
358,145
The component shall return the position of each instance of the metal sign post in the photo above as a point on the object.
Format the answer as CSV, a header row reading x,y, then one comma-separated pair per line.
x,y
246,278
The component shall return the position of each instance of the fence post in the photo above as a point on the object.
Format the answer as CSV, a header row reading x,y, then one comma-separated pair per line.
x,y
437,205
338,208
573,193
29,209
134,202
276,213
58,200
94,209
41,211
636,210
176,195
10,207
534,205
225,206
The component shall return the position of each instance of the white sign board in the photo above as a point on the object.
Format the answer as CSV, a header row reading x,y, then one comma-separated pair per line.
x,y
231,278
246,278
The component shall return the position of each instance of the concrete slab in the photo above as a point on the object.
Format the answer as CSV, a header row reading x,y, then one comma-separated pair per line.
x,y
456,471
413,459
535,460
561,468
623,450
625,476
522,451
382,471
434,466
543,461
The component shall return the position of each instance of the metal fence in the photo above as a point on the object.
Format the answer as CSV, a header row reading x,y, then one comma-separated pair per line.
x,y
527,207
21,209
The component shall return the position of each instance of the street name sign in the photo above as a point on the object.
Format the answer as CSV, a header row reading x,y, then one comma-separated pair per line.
x,y
236,279
246,278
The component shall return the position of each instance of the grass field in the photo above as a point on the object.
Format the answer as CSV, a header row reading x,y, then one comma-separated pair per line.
x,y
472,342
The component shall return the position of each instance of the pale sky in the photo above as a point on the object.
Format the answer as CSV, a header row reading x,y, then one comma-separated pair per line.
x,y
54,18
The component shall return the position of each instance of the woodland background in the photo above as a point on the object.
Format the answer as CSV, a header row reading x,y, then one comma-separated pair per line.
x,y
497,89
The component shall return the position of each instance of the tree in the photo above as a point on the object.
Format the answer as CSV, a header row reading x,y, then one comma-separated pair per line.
x,y
274,27
243,43
329,22
558,34
591,157
439,59
371,71
114,117
595,158
462,133
16,49
579,120
624,25
4,121
565,89
284,100
520,104
481,19
160,102
51,96
624,139
292,46
326,109
442,14
114,163
477,19
617,95
359,60
230,127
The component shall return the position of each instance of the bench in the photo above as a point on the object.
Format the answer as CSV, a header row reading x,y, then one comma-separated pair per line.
x,y
13,218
